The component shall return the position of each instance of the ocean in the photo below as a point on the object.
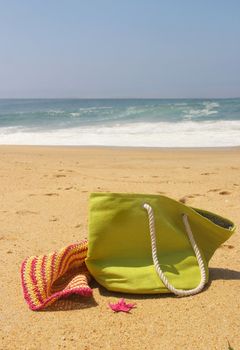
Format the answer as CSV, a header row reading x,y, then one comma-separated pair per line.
x,y
121,122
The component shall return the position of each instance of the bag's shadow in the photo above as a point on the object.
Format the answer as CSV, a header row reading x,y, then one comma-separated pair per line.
x,y
214,274
76,302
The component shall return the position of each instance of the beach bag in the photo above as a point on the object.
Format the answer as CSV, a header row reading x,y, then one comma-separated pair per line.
x,y
140,243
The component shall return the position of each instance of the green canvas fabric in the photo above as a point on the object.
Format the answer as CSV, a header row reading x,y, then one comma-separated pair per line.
x,y
119,251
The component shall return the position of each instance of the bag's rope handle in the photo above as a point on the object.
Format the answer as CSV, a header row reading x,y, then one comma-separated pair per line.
x,y
179,292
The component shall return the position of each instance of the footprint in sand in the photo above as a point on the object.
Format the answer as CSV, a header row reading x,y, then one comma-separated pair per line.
x,y
228,246
51,194
215,190
68,188
26,212
185,198
224,193
60,175
53,219
67,170
208,173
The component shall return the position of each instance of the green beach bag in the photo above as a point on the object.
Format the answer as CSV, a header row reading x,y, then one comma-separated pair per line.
x,y
140,243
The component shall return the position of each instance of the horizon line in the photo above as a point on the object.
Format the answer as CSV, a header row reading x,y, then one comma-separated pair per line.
x,y
119,98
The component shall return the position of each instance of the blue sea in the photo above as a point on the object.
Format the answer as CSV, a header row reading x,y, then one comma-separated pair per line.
x,y
121,122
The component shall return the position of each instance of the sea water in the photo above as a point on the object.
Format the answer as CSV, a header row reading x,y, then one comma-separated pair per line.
x,y
121,122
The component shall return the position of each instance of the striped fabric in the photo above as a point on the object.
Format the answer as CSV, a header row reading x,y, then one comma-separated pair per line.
x,y
47,278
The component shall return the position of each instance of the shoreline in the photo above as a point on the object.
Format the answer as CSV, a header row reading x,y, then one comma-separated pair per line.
x,y
125,147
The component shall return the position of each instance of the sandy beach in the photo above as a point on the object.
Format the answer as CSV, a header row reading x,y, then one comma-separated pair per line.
x,y
44,204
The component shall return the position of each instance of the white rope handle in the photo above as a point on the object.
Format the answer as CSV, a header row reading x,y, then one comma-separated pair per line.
x,y
179,292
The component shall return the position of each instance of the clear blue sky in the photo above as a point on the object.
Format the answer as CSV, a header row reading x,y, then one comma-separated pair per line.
x,y
125,48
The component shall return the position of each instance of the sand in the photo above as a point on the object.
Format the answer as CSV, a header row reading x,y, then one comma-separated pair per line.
x,y
44,197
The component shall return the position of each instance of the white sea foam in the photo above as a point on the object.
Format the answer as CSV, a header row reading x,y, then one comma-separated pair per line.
x,y
94,108
161,134
209,109
193,113
75,114
55,112
211,105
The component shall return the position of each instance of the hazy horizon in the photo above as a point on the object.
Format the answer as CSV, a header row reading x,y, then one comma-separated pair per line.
x,y
120,98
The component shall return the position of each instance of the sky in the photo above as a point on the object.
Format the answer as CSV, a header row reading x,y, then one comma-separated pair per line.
x,y
119,49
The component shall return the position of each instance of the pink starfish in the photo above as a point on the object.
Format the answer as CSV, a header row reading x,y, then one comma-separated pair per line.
x,y
121,305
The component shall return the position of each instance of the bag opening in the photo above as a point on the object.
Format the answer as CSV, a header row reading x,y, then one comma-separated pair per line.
x,y
217,220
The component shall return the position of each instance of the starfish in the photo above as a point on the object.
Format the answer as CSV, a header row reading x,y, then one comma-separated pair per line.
x,y
121,305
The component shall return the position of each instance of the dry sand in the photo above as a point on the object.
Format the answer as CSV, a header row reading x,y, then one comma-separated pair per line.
x,y
44,197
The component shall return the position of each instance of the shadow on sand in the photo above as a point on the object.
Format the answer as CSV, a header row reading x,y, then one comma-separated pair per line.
x,y
76,302
73,302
